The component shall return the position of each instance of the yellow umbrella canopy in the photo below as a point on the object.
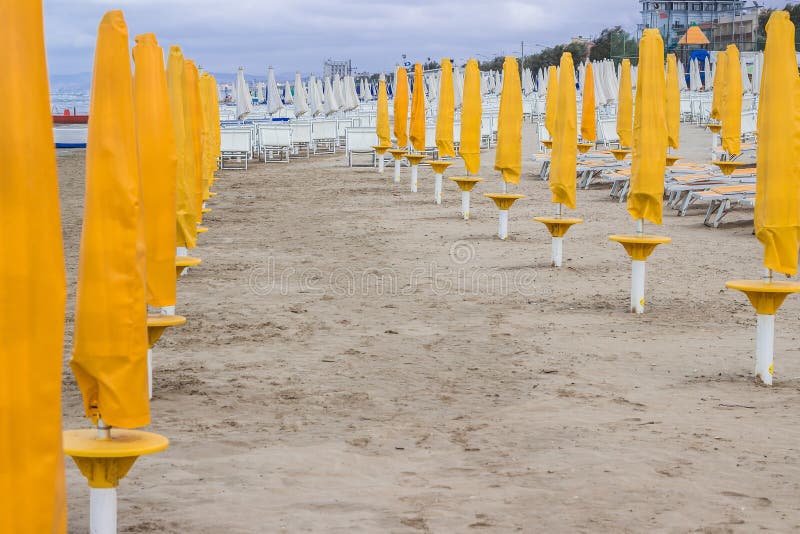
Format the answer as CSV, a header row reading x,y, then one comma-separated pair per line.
x,y
401,107
417,127
109,356
732,110
382,120
588,122
625,105
646,197
551,101
195,131
565,142
213,126
469,147
32,286
508,155
186,218
720,79
155,136
673,102
446,112
777,211
206,104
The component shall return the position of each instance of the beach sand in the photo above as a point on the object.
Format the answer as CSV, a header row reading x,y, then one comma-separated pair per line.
x,y
358,359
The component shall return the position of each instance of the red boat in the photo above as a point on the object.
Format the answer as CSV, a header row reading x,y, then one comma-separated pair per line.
x,y
70,118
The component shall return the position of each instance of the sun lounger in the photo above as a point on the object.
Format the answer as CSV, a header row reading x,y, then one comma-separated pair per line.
x,y
721,199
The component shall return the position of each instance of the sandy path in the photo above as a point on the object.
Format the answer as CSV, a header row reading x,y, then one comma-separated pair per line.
x,y
358,359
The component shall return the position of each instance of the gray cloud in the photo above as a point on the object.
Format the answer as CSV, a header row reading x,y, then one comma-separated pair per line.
x,y
300,35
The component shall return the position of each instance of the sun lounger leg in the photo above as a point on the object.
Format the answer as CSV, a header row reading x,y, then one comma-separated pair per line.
x,y
637,286
765,337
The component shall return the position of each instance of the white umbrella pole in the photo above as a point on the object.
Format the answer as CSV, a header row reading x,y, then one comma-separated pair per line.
x,y
465,204
397,171
637,277
150,374
713,145
558,243
765,341
502,231
437,188
414,178
380,163
103,510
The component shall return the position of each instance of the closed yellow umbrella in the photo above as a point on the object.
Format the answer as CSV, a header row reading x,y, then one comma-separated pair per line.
x,y
401,107
469,147
417,127
720,79
732,110
109,357
213,125
508,155
673,102
446,112
625,106
551,101
777,209
32,286
565,142
207,102
588,122
193,121
645,199
186,216
382,120
155,135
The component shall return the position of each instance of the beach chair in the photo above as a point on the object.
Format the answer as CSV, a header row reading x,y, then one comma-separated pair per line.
x,y
275,143
301,139
341,128
722,199
324,134
607,132
456,136
235,146
360,140
431,150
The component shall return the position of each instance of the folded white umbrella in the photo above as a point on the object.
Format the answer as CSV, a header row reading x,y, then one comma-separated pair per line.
x,y
314,101
287,93
758,68
747,87
331,105
244,104
274,103
338,93
682,77
260,93
708,75
300,101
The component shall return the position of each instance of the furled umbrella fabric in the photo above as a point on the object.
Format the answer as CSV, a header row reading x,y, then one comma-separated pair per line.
x,y
588,122
155,139
777,209
32,286
417,122
469,147
195,131
300,101
446,112
214,125
625,105
673,102
732,112
646,197
109,356
720,80
401,108
565,141
551,101
331,104
508,156
274,103
382,119
208,158
186,217
244,104
288,98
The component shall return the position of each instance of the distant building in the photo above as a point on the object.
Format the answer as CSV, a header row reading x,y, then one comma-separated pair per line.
x,y
723,21
332,68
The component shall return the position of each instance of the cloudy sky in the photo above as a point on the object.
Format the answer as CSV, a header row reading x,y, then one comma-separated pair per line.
x,y
300,34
